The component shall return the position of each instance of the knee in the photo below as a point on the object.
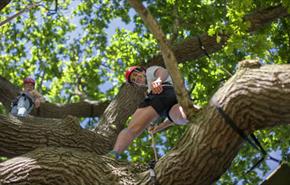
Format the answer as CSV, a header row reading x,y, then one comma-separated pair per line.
x,y
177,115
134,130
181,121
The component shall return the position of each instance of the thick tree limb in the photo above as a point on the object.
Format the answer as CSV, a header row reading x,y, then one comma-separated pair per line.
x,y
8,93
260,18
80,109
21,136
62,166
168,56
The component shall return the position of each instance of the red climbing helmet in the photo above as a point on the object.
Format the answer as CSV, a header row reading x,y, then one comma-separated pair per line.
x,y
29,80
130,70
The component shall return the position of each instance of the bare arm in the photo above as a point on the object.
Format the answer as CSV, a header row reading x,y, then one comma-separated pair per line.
x,y
161,75
38,98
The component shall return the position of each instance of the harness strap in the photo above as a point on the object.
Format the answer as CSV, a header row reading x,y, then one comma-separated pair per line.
x,y
232,124
202,47
31,102
258,144
255,143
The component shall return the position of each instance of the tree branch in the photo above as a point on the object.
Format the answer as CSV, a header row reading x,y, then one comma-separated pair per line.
x,y
85,108
189,49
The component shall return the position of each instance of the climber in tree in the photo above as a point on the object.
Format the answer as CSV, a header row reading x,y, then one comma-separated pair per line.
x,y
160,101
27,99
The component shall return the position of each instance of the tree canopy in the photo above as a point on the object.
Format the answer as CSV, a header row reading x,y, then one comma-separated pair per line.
x,y
79,67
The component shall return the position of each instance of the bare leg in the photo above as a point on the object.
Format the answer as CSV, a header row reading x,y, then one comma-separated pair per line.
x,y
177,115
140,121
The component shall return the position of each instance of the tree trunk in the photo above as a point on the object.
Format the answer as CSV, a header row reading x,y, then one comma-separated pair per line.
x,y
255,98
118,112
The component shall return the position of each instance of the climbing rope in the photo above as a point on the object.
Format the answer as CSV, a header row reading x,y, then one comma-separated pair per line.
x,y
151,164
153,145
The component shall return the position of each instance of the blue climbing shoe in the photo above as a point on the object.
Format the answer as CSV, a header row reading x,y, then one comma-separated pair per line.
x,y
114,154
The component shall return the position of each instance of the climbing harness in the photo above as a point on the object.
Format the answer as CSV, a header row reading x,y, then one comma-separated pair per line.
x,y
202,47
254,142
29,7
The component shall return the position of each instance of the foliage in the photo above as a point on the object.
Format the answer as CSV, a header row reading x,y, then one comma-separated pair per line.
x,y
72,58
2,159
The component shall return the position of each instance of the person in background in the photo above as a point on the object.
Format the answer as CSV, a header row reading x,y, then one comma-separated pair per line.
x,y
27,99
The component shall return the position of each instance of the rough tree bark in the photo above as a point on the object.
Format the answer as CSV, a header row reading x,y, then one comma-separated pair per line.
x,y
255,97
54,166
